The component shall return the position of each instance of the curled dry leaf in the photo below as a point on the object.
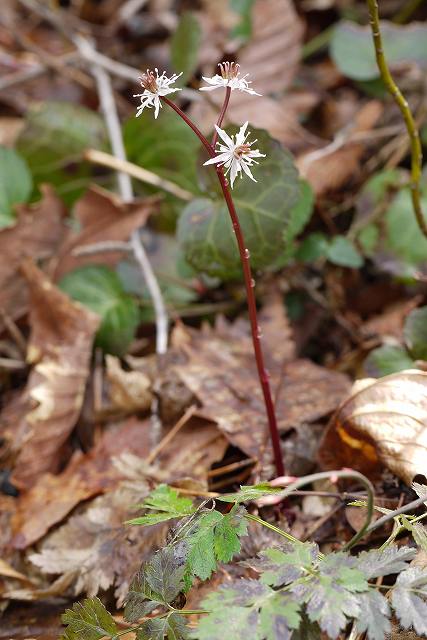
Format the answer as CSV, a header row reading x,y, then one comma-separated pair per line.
x,y
61,339
37,233
383,422
103,217
129,391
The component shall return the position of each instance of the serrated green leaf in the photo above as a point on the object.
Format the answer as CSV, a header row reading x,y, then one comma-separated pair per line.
x,y
99,288
330,597
172,627
16,184
353,51
228,532
53,141
284,565
376,563
185,45
158,582
420,490
167,504
313,247
386,360
252,492
201,559
342,252
88,620
375,614
409,599
205,232
415,333
252,610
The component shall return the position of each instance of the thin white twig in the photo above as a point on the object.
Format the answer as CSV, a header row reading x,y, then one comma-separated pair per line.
x,y
109,110
128,9
102,247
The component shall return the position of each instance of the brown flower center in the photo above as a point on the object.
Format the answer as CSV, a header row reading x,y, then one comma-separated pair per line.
x,y
148,81
243,150
229,70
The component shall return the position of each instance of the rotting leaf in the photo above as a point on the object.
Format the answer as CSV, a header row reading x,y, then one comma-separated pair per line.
x,y
37,233
383,422
60,346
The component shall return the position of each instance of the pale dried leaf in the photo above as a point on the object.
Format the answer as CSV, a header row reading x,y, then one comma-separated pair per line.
x,y
129,391
383,422
61,339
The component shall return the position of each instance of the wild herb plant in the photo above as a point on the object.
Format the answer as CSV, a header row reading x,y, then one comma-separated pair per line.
x,y
296,590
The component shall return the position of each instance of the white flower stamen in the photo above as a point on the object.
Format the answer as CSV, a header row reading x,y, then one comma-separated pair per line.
x,y
230,72
155,86
236,155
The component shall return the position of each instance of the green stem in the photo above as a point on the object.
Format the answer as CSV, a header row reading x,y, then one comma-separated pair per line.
x,y
284,534
398,97
406,11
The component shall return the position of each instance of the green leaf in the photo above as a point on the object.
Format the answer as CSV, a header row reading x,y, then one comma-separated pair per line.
x,y
251,492
88,620
415,333
264,208
376,563
330,597
172,627
99,288
167,504
368,238
375,613
313,247
353,51
53,141
243,8
409,599
158,583
284,565
342,252
418,530
15,184
250,610
386,360
185,45
404,238
299,217
166,146
228,532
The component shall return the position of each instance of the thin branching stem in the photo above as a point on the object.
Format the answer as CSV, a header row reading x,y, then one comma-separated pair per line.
x,y
221,115
402,103
250,294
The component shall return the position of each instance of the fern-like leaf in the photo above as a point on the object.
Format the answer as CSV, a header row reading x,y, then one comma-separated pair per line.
x,y
409,599
164,504
88,620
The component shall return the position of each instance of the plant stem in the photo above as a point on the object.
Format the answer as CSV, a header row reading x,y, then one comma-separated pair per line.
x,y
416,151
221,115
250,294
264,523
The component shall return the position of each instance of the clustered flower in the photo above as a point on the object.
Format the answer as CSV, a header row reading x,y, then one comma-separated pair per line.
x,y
236,154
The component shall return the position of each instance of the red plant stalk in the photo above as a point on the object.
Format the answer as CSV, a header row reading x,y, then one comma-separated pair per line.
x,y
249,283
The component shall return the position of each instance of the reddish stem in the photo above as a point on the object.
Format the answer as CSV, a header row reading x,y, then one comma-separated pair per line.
x,y
221,115
249,285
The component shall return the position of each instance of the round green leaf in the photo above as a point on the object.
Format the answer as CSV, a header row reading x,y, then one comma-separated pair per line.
x,y
15,184
404,238
342,252
205,232
415,333
387,360
99,288
313,247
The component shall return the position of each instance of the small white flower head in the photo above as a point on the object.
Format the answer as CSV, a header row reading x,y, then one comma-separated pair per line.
x,y
236,155
230,72
155,86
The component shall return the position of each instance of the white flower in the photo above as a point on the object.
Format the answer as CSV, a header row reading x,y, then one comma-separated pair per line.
x,y
229,77
236,156
154,88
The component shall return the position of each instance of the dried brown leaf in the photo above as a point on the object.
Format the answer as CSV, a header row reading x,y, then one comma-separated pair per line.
x,y
382,423
36,234
129,391
61,339
102,217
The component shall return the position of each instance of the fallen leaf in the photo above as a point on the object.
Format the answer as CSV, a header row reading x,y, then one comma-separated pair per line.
x,y
382,423
390,322
97,547
8,571
54,496
36,234
329,168
220,372
128,391
61,339
102,217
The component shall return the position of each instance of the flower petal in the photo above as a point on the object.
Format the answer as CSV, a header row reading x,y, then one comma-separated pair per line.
x,y
225,137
